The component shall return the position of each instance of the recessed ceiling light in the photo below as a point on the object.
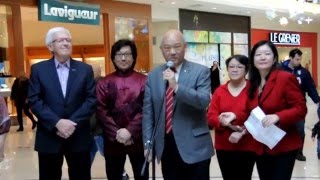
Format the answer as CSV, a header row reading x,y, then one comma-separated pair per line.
x,y
248,12
173,2
214,8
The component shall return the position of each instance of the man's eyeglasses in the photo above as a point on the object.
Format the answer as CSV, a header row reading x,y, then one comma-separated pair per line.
x,y
120,55
61,40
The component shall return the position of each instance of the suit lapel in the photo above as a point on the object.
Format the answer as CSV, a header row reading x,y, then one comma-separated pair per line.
x,y
72,76
52,71
270,84
183,77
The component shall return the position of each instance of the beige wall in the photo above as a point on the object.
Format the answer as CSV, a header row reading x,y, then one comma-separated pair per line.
x,y
34,31
159,28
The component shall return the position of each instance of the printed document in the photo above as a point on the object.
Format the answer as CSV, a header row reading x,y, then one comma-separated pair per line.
x,y
269,136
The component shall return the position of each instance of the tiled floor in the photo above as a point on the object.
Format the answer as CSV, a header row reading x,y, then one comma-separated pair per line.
x,y
21,160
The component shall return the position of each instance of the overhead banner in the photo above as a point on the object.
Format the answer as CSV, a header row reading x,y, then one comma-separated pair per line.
x,y
68,12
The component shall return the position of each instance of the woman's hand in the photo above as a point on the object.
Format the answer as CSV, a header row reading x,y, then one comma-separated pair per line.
x,y
270,119
226,118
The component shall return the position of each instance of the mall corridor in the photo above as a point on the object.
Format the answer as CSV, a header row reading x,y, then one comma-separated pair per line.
x,y
21,162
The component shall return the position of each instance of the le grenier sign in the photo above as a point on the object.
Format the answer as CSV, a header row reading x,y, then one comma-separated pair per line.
x,y
69,12
285,38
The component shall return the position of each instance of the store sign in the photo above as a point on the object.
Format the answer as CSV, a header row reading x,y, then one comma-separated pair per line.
x,y
285,38
68,12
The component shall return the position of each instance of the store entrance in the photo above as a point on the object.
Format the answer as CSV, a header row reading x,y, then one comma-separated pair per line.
x,y
306,56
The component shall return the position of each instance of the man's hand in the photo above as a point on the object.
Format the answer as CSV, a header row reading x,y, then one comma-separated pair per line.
x,y
150,155
129,142
65,128
123,135
168,74
225,118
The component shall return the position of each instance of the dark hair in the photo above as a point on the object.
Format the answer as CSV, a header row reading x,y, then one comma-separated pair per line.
x,y
254,75
244,60
121,43
295,51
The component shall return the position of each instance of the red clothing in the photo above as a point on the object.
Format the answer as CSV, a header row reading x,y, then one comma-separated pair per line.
x,y
119,105
281,95
224,101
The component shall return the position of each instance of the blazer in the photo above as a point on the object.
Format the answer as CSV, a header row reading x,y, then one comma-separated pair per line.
x,y
281,95
49,105
189,124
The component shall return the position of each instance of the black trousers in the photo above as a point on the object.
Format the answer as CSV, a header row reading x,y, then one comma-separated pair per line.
x,y
115,165
276,167
236,164
174,168
26,109
78,165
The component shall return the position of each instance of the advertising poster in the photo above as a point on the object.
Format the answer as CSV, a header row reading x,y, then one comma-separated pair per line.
x,y
196,53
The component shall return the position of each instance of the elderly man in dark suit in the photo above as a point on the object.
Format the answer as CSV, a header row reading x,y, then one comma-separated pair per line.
x,y
177,98
62,96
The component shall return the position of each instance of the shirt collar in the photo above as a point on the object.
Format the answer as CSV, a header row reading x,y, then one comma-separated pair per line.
x,y
178,68
58,64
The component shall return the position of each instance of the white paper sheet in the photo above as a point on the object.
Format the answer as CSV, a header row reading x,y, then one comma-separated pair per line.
x,y
269,136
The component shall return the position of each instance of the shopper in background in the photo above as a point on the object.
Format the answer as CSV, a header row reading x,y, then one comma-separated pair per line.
x,y
176,99
215,76
5,123
307,86
19,94
61,95
279,96
235,147
119,110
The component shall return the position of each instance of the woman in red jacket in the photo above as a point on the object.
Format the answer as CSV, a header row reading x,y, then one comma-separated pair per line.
x,y
229,109
279,96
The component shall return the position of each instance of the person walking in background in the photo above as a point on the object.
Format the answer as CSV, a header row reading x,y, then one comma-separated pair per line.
x,y
119,110
293,65
279,96
176,99
61,95
316,133
5,123
19,93
235,147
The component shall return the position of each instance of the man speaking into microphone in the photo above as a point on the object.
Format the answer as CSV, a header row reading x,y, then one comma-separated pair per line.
x,y
175,108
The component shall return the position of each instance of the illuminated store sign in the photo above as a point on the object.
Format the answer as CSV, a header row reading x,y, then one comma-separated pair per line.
x,y
285,38
69,12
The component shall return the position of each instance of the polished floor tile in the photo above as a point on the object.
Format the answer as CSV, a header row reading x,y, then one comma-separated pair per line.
x,y
21,162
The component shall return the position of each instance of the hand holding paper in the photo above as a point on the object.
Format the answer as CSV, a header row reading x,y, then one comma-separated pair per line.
x,y
262,128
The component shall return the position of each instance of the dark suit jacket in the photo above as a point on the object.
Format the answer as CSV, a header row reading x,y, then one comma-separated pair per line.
x,y
282,96
49,105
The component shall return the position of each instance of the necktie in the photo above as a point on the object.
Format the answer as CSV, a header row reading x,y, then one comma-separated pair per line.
x,y
169,109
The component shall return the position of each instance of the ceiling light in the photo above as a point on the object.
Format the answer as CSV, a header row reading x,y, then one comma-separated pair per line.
x,y
308,20
173,2
283,21
214,8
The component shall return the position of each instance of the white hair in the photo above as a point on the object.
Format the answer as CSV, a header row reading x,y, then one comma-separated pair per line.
x,y
53,31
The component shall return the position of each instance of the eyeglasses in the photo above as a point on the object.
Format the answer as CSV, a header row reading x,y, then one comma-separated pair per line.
x,y
236,67
120,55
61,40
176,48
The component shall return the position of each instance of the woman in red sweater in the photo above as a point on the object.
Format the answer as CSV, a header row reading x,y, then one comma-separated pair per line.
x,y
278,94
229,109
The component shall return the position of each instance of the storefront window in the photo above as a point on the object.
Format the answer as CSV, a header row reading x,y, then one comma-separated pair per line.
x,y
4,44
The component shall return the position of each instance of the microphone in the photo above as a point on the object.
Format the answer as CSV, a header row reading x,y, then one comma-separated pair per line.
x,y
170,64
